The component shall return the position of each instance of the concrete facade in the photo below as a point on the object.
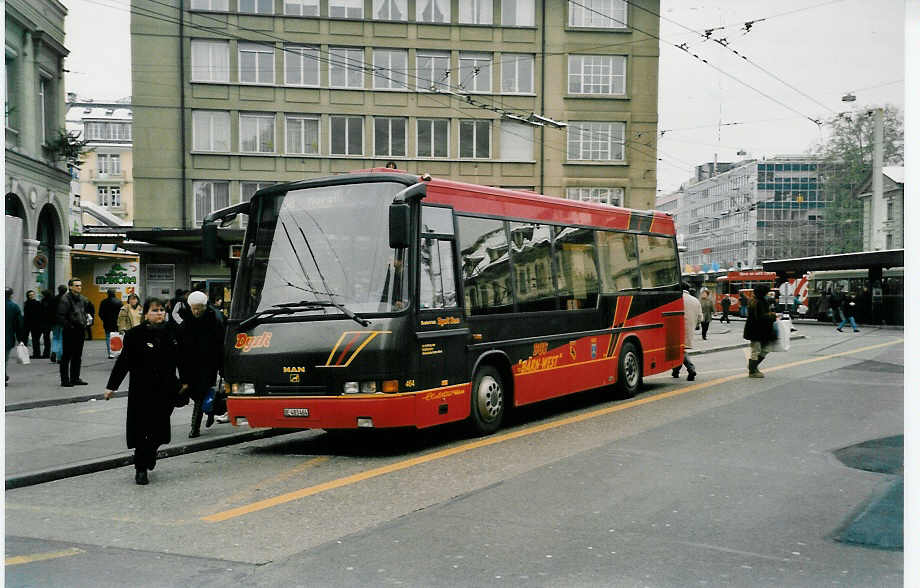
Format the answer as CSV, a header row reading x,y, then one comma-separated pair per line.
x,y
36,182
226,102
886,225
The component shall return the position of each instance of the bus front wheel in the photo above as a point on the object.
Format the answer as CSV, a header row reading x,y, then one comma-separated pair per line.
x,y
487,401
629,375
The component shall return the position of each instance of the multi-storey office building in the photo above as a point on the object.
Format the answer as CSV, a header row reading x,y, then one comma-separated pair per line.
x,y
36,180
106,185
758,210
234,95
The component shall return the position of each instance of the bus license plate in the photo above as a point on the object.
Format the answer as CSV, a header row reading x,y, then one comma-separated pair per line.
x,y
296,412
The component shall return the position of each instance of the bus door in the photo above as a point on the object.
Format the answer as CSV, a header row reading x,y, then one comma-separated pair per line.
x,y
441,329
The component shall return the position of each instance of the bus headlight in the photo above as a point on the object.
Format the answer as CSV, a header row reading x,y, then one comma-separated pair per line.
x,y
368,387
242,388
350,388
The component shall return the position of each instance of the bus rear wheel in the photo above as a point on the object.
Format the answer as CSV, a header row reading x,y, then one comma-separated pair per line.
x,y
487,401
629,374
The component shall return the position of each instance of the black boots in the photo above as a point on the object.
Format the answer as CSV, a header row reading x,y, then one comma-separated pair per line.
x,y
140,477
753,372
196,421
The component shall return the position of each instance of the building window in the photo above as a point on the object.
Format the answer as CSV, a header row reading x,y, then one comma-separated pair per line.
x,y
596,141
257,133
346,67
390,10
611,196
517,73
301,7
256,6
597,74
108,164
108,131
257,63
889,241
390,66
10,106
516,141
433,70
302,135
346,8
432,137
518,13
210,196
389,136
214,5
475,72
210,61
210,130
301,65
476,12
109,196
890,211
432,11
347,135
604,14
475,138
46,104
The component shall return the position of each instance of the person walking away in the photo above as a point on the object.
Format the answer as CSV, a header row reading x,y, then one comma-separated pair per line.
x,y
108,314
129,315
15,329
758,328
201,338
150,355
708,309
834,303
848,310
49,310
72,317
692,314
726,306
57,329
742,305
34,319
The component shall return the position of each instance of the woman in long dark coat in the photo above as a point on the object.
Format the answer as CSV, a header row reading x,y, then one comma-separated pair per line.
x,y
150,355
758,328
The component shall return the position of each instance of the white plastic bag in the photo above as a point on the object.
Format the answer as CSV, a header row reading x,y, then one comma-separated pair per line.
x,y
783,336
22,354
115,343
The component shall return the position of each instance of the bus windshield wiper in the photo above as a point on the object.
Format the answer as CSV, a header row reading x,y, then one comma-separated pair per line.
x,y
305,304
274,311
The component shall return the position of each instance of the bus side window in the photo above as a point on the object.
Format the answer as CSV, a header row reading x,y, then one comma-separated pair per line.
x,y
533,266
576,270
437,287
619,261
485,265
657,261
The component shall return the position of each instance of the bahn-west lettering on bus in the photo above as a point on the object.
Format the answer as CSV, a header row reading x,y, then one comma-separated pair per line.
x,y
245,342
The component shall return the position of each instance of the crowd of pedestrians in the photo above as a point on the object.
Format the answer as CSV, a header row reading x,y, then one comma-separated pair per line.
x,y
172,350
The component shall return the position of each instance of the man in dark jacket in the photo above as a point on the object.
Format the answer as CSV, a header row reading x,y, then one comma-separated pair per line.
x,y
758,328
726,307
108,313
201,338
14,326
72,318
34,322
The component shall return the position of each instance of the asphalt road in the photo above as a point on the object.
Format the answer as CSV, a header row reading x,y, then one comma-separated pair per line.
x,y
723,481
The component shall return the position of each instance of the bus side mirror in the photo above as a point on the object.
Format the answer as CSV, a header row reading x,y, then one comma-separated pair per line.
x,y
209,241
400,228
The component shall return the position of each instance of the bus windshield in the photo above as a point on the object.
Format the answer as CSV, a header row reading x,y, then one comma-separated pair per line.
x,y
322,250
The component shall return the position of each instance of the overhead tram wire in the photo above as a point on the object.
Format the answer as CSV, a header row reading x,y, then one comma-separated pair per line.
x,y
816,121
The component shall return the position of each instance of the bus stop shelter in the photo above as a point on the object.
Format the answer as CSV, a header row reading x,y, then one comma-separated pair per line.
x,y
873,261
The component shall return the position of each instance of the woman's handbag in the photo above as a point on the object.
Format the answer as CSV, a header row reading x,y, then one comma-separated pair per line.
x,y
783,330
207,405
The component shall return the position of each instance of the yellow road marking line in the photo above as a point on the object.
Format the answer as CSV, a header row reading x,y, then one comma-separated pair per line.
x,y
409,463
24,559
276,479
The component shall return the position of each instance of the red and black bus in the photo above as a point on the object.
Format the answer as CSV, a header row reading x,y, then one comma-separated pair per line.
x,y
381,299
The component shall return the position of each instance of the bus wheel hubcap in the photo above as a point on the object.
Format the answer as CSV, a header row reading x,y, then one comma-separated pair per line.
x,y
631,369
489,398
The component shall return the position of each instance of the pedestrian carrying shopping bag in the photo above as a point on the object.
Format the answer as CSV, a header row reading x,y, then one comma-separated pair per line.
x,y
115,343
22,354
783,330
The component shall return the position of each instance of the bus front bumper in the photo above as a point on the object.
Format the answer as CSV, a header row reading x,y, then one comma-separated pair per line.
x,y
422,409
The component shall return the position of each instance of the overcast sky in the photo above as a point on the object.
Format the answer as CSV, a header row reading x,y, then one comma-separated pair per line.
x,y
801,59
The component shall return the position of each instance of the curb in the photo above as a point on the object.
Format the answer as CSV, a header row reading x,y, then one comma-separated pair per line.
x,y
735,346
59,401
90,466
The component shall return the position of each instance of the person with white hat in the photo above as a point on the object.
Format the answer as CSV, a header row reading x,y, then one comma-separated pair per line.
x,y
201,340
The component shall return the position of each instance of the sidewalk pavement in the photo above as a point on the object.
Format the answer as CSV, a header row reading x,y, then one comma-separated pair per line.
x,y
54,432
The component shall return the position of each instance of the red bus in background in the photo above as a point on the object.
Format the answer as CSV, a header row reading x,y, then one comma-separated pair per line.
x,y
382,299
740,283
